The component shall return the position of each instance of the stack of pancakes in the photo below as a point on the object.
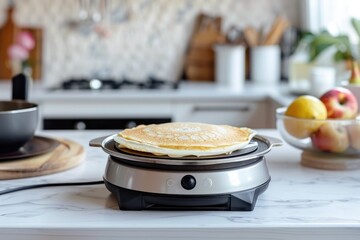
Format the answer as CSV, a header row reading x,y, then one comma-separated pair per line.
x,y
181,139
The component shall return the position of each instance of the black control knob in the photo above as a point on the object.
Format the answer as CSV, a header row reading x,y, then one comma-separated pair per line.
x,y
188,182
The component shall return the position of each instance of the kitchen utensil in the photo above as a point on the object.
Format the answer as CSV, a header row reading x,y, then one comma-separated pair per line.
x,y
88,16
18,117
93,16
224,182
265,64
340,151
36,146
234,36
288,45
67,154
276,31
289,41
230,66
251,36
200,60
322,79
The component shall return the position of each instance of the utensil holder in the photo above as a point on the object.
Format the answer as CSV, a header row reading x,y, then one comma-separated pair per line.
x,y
230,66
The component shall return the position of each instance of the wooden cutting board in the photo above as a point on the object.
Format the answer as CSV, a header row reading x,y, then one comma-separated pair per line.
x,y
66,155
200,57
8,33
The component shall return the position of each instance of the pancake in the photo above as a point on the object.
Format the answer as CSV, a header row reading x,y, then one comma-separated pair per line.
x,y
179,139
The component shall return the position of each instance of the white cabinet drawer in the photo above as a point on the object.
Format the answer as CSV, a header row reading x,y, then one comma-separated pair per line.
x,y
101,109
249,114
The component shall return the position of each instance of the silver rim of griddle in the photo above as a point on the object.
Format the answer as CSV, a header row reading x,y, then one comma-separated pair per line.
x,y
264,146
169,182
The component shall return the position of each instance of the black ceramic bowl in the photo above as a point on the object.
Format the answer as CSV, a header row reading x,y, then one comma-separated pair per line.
x,y
18,122
18,118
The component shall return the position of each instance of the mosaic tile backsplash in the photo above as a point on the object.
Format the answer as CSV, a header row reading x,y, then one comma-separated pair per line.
x,y
130,38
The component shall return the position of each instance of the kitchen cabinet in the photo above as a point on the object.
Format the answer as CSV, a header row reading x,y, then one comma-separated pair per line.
x,y
100,114
253,114
254,107
110,108
67,114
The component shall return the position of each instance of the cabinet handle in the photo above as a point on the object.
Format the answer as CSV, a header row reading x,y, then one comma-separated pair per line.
x,y
80,125
222,109
131,124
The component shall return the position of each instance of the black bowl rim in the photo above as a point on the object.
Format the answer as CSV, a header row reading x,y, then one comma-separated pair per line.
x,y
27,107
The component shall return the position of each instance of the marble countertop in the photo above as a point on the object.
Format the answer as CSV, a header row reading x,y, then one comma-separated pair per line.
x,y
300,203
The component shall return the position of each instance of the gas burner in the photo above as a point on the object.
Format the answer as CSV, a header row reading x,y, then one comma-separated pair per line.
x,y
125,83
150,83
89,84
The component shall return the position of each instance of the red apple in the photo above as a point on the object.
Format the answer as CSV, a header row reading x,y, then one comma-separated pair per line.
x,y
331,137
340,103
354,135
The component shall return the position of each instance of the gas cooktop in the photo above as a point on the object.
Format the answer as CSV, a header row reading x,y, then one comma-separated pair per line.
x,y
151,83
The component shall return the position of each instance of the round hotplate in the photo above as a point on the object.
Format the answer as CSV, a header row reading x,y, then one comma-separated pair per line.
x,y
251,147
257,148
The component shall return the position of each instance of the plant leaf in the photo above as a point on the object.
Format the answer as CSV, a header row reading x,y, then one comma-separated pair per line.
x,y
325,40
356,24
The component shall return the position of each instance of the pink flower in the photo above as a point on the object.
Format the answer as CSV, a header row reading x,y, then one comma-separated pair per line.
x,y
26,40
18,52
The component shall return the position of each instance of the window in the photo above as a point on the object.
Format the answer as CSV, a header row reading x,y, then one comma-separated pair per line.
x,y
332,15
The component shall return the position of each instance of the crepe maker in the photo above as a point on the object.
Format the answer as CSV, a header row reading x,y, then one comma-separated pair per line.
x,y
230,182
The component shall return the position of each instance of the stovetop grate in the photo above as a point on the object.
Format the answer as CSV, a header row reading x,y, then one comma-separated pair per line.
x,y
150,83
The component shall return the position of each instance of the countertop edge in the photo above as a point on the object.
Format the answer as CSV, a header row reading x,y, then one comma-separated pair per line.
x,y
150,233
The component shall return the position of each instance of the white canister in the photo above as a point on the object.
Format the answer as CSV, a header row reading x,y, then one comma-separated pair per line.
x,y
265,64
230,66
322,79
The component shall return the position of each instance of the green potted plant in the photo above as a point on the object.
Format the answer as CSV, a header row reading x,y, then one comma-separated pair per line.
x,y
344,50
325,49
355,73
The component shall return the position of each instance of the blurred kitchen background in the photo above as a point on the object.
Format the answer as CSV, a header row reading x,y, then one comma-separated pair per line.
x,y
141,38
151,44
130,38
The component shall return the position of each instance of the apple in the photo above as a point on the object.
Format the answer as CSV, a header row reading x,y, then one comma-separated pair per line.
x,y
340,103
331,137
354,135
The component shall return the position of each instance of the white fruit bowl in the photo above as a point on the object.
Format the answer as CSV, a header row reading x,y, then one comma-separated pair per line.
x,y
330,136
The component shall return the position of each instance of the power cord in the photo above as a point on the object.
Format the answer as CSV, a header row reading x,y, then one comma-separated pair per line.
x,y
49,185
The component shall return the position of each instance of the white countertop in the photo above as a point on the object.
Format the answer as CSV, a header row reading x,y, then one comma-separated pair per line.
x,y
300,203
